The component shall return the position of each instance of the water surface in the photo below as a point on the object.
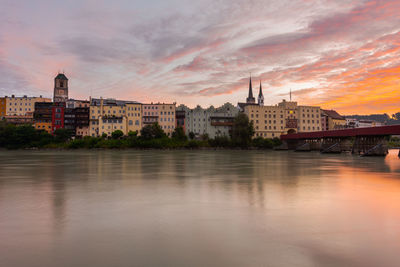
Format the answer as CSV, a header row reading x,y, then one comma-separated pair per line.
x,y
198,208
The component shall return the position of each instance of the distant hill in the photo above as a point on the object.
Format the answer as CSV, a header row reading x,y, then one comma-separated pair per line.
x,y
382,118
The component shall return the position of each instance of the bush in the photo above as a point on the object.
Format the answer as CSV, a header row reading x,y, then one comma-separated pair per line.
x,y
117,134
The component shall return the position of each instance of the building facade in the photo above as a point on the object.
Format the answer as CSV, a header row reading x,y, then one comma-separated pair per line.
x,y
43,116
286,117
82,121
211,121
57,116
3,107
163,114
109,115
21,106
331,120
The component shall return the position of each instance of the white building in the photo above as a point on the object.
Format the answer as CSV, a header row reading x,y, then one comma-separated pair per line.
x,y
211,121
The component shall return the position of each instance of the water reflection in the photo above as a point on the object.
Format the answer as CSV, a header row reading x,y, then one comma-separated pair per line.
x,y
180,208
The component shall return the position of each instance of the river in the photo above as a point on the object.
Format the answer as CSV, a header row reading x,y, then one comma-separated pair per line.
x,y
198,208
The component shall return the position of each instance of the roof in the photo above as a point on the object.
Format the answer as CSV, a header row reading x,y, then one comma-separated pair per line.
x,y
242,105
111,102
333,114
61,76
367,131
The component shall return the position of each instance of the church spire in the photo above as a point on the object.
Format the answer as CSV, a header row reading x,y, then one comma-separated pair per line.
x,y
260,96
250,98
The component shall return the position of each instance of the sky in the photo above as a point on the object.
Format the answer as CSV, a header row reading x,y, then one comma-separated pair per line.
x,y
337,54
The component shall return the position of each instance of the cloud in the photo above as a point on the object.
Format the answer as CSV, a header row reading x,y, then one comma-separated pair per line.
x,y
326,51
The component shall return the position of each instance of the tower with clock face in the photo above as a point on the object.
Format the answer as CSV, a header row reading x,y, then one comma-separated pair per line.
x,y
60,88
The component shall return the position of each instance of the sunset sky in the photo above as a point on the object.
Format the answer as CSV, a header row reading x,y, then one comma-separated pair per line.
x,y
339,54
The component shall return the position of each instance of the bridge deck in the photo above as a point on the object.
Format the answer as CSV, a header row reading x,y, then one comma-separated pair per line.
x,y
370,131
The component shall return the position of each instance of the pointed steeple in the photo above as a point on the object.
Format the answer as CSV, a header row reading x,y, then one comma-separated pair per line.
x,y
250,98
260,96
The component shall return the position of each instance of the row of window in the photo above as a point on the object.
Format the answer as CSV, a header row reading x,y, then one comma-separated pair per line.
x,y
264,134
266,116
20,109
270,127
312,115
16,104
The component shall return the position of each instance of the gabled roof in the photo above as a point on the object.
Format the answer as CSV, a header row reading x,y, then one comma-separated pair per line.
x,y
333,114
61,76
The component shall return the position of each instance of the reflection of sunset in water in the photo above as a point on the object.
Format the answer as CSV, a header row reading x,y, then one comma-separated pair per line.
x,y
239,208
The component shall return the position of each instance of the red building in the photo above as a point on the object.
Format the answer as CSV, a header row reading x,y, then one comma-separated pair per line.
x,y
57,116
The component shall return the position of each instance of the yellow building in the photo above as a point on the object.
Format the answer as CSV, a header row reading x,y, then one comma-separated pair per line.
x,y
332,120
16,106
286,117
2,107
163,114
109,115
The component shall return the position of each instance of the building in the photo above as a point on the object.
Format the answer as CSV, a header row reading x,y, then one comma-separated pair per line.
x,y
211,121
163,114
354,123
69,120
60,88
82,121
20,119
109,115
43,116
21,106
3,107
73,103
180,116
260,96
250,100
57,118
331,120
286,117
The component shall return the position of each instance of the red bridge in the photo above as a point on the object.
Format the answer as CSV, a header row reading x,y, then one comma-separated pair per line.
x,y
364,141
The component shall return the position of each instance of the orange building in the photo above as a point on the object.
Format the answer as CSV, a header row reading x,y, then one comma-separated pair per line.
x,y
43,125
3,107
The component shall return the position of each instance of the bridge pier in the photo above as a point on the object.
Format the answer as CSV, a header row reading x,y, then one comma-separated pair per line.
x,y
370,146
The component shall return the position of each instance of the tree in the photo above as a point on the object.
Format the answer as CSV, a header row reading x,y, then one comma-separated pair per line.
x,y
104,136
153,131
117,134
132,133
62,135
192,135
179,134
242,131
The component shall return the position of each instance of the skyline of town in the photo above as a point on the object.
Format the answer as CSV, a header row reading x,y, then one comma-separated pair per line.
x,y
203,53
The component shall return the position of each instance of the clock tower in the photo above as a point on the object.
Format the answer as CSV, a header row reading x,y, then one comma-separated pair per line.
x,y
60,88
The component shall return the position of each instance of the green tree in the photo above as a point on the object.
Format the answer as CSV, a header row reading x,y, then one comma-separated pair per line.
x,y
153,131
192,135
104,136
62,135
179,134
117,134
242,130
132,133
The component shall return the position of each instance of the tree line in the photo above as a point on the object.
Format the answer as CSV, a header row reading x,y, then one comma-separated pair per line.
x,y
151,136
